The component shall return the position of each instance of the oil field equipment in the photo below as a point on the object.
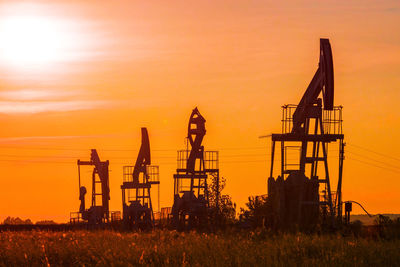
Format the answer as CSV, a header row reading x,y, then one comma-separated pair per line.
x,y
348,207
136,188
97,213
302,193
191,192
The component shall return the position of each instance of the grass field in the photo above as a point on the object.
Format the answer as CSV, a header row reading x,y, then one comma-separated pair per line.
x,y
161,248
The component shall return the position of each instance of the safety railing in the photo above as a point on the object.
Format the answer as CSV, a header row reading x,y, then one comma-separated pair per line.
x,y
332,120
182,158
127,173
75,217
287,117
153,173
211,159
115,216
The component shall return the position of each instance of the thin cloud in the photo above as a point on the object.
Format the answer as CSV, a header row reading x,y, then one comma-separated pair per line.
x,y
5,140
15,107
34,94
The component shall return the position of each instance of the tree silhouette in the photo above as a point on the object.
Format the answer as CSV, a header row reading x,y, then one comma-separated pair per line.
x,y
223,209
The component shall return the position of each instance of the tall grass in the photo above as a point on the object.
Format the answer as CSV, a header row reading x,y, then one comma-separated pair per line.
x,y
163,248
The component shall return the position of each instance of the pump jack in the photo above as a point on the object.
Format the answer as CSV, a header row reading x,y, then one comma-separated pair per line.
x,y
191,194
96,214
136,188
313,123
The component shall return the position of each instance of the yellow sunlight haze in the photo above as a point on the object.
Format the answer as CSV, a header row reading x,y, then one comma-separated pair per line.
x,y
33,39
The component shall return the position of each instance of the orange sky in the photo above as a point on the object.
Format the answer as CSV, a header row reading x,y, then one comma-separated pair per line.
x,y
101,71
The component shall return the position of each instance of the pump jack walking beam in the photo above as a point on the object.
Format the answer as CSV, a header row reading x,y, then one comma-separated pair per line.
x,y
321,82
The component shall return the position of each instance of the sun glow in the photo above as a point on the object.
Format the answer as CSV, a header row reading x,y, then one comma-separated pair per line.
x,y
35,41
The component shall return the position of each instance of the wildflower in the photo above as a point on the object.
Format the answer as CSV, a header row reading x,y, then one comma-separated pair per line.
x,y
45,256
141,258
183,259
352,244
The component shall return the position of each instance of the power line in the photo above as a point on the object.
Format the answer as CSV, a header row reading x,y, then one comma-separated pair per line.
x,y
244,155
132,157
390,167
374,160
118,150
371,164
117,163
36,161
372,151
243,161
76,157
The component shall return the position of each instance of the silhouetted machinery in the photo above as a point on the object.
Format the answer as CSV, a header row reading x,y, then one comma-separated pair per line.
x,y
136,188
307,129
191,192
97,213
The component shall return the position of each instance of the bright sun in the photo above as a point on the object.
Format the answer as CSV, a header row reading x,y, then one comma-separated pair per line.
x,y
33,41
